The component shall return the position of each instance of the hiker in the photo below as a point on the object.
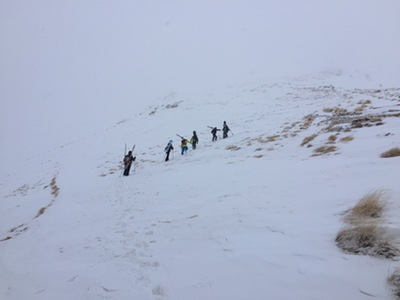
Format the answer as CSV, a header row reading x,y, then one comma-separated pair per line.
x,y
225,130
184,146
194,140
168,150
128,159
214,133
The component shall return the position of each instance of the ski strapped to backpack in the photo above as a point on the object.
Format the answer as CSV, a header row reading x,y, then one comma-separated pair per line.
x,y
125,155
183,138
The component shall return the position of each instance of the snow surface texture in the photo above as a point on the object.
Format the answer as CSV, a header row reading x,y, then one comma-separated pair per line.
x,y
253,216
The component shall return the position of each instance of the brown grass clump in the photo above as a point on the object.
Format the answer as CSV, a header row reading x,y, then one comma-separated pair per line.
x,y
232,148
306,124
308,139
325,149
363,235
370,206
391,153
262,141
364,102
376,120
272,138
339,111
346,139
328,109
54,188
40,212
360,108
332,138
366,240
394,283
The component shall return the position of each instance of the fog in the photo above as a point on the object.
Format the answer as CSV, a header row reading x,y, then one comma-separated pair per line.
x,y
68,68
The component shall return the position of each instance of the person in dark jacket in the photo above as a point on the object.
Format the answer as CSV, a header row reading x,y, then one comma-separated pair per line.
x,y
194,140
168,150
128,160
214,133
225,130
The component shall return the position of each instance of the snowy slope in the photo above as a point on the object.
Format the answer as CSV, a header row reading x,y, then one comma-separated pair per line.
x,y
253,216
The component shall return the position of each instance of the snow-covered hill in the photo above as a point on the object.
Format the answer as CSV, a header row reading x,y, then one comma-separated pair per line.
x,y
253,216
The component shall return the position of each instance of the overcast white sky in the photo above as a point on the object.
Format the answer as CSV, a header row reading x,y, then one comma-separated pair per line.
x,y
80,64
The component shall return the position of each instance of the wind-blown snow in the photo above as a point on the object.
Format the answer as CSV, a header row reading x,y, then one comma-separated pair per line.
x,y
253,216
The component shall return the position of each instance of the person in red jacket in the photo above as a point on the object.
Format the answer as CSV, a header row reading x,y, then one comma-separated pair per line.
x,y
184,146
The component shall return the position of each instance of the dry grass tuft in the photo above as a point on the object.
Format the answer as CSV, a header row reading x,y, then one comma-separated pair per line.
x,y
308,139
339,111
332,138
363,235
232,148
262,141
325,149
272,138
40,212
335,110
394,283
391,153
366,240
370,206
307,121
346,139
360,108
54,188
364,102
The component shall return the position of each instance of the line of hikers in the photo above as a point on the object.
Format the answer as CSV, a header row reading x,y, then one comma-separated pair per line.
x,y
195,140
129,158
